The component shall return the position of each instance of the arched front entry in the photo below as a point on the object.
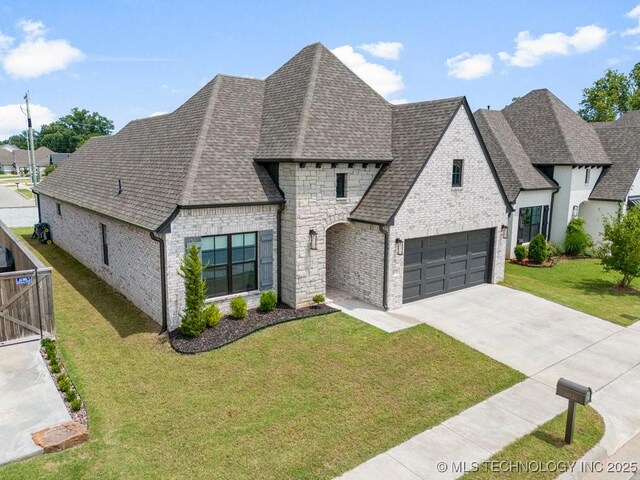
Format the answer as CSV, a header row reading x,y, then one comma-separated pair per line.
x,y
337,238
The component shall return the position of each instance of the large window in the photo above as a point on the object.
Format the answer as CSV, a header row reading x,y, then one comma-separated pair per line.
x,y
529,223
230,263
456,174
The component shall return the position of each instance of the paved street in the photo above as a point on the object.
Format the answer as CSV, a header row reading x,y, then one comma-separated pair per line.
x,y
15,210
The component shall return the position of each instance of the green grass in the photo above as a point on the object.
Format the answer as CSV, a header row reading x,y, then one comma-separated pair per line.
x,y
579,284
25,192
545,447
306,399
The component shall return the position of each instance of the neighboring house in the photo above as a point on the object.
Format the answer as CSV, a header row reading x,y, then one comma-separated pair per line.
x,y
16,160
58,158
555,166
302,182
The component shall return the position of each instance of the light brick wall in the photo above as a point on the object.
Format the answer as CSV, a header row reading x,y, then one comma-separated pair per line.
x,y
215,221
355,260
134,258
433,207
312,205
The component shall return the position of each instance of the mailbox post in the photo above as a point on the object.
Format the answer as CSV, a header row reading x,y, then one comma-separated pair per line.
x,y
575,393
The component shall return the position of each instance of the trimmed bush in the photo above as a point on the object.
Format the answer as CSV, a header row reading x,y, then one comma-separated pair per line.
x,y
75,404
239,308
520,252
318,299
192,324
577,240
268,301
212,315
538,249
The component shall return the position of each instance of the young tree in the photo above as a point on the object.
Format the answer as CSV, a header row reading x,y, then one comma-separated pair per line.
x,y
622,242
611,96
192,321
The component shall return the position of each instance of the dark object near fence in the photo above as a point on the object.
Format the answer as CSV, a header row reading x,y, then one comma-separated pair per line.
x,y
26,294
42,231
6,260
575,393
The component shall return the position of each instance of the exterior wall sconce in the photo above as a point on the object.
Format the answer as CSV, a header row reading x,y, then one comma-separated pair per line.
x,y
399,247
505,231
575,210
313,239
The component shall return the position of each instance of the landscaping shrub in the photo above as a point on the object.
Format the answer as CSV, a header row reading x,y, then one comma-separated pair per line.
x,y
577,240
554,250
268,301
212,315
64,385
55,368
76,404
239,308
622,241
70,395
46,341
520,252
318,299
192,322
538,249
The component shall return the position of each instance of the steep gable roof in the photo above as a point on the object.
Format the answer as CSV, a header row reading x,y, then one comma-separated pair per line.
x,y
315,108
553,134
21,157
417,129
629,119
512,163
623,146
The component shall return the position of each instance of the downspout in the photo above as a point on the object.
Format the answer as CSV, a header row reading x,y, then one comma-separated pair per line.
x,y
385,231
38,204
163,280
553,197
279,240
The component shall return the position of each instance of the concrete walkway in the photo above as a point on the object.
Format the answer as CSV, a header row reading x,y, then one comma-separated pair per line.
x,y
542,339
29,401
9,197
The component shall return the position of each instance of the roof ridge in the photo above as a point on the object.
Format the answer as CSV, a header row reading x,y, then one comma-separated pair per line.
x,y
558,123
423,102
307,101
197,154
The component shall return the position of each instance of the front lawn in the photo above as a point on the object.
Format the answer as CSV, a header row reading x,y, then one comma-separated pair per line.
x,y
543,454
579,284
307,399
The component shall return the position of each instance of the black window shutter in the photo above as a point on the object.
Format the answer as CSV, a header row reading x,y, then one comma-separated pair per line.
x,y
545,221
266,260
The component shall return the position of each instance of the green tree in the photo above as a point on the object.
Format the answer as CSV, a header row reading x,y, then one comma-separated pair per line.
x,y
49,168
622,243
69,132
192,321
538,249
19,140
611,96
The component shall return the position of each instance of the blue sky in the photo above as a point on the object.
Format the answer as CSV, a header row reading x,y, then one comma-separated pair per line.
x,y
130,59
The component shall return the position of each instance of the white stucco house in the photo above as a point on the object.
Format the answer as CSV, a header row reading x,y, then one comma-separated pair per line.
x,y
304,181
555,166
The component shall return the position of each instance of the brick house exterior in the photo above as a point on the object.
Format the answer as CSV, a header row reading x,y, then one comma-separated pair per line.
x,y
302,183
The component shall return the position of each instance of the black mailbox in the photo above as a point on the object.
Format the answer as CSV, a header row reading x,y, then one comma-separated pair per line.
x,y
573,391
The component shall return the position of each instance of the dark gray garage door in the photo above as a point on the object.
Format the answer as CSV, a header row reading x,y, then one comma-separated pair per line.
x,y
434,265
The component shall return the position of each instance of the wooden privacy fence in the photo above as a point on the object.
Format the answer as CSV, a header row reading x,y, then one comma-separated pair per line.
x,y
26,295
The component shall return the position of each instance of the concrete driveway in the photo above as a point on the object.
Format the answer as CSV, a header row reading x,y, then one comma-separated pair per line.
x,y
540,338
29,401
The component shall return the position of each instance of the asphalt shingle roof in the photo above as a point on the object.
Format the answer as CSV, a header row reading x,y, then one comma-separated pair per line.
x,y
629,119
512,163
622,143
21,157
553,134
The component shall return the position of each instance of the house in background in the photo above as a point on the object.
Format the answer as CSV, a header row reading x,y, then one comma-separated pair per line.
x,y
303,182
555,166
17,160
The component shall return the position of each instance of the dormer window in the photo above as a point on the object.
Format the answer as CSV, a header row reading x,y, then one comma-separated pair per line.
x,y
456,174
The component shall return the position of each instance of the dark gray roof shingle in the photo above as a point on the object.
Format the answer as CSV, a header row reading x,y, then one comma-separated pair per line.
x,y
21,157
553,134
622,143
512,163
629,119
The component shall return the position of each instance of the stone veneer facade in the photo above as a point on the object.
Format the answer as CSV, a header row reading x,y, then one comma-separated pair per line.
x,y
134,258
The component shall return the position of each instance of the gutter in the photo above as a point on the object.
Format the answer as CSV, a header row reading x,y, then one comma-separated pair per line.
x,y
385,231
163,280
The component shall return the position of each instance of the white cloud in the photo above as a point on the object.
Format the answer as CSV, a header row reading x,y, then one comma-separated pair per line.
x,y
399,101
530,51
155,114
382,79
634,14
36,55
467,67
13,121
386,50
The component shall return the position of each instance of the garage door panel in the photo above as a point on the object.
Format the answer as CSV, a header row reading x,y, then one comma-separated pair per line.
x,y
443,263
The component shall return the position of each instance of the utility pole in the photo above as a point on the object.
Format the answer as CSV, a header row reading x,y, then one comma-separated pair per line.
x,y
30,144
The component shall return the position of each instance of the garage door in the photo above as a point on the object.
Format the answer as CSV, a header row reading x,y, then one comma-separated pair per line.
x,y
435,265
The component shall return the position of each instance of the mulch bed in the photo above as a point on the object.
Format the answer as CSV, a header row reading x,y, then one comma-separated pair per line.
x,y
528,263
230,330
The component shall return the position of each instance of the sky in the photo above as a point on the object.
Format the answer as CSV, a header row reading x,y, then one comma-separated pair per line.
x,y
129,59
